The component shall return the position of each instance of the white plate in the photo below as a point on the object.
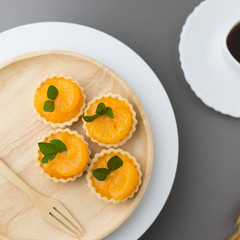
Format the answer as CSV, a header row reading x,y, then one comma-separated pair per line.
x,y
213,78
132,68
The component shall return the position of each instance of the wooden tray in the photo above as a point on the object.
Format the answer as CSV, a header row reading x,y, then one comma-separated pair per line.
x,y
20,132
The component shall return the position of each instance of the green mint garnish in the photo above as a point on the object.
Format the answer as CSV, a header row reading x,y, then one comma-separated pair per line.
x,y
109,112
100,173
48,158
101,109
90,118
113,164
48,106
59,144
47,148
50,150
52,92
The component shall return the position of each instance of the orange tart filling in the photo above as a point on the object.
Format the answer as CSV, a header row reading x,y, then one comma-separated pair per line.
x,y
110,129
68,162
119,184
66,100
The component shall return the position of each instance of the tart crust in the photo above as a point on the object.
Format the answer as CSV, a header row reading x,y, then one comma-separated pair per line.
x,y
69,123
70,178
89,174
133,127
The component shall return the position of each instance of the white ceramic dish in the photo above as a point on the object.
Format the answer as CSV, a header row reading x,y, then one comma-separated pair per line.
x,y
119,57
207,65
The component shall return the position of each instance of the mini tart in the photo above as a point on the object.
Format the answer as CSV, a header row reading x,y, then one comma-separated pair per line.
x,y
69,103
106,131
120,184
69,165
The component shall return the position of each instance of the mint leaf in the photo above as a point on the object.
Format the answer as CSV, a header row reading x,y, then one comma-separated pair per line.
x,y
47,148
48,106
61,147
109,112
114,163
50,150
52,92
44,159
90,118
101,173
48,158
101,108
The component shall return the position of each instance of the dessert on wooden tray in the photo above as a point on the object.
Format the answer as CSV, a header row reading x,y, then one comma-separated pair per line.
x,y
59,101
63,155
114,175
109,120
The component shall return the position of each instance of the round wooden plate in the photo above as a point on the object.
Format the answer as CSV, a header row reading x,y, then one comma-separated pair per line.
x,y
20,131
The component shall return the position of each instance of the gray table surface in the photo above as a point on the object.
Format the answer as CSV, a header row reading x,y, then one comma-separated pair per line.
x,y
205,198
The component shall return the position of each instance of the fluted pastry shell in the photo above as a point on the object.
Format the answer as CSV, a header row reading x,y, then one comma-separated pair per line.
x,y
89,174
133,127
70,178
73,120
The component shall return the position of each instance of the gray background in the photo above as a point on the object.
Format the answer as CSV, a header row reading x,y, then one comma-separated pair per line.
x,y
205,198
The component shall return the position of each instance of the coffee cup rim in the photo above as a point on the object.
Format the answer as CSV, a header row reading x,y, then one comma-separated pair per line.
x,y
227,52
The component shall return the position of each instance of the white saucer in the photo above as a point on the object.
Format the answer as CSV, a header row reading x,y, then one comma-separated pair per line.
x,y
146,85
212,76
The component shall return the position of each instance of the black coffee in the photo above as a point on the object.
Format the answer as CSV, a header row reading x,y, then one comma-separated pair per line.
x,y
233,42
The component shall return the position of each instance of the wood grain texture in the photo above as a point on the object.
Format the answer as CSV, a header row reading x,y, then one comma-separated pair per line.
x,y
20,131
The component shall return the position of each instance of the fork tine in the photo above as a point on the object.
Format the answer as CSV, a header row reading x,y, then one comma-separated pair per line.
x,y
61,210
58,215
58,224
67,226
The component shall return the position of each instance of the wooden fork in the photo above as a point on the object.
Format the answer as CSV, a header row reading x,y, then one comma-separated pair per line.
x,y
51,210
